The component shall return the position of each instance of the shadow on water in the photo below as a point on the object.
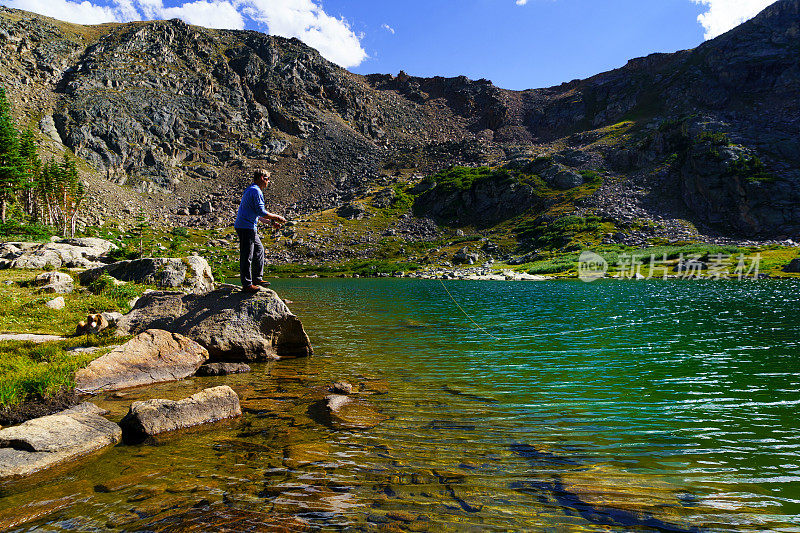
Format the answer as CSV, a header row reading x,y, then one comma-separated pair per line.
x,y
572,503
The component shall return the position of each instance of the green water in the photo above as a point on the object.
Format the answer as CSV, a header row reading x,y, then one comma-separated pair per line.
x,y
611,406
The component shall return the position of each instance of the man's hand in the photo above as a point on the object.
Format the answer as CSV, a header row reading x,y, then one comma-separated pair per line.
x,y
276,221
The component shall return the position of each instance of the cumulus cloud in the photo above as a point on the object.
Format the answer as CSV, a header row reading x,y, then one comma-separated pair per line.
x,y
522,2
388,28
307,21
723,15
304,19
204,13
77,12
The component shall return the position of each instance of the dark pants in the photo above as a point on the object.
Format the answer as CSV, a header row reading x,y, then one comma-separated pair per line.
x,y
251,256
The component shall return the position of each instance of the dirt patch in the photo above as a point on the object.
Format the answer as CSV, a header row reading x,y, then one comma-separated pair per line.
x,y
37,407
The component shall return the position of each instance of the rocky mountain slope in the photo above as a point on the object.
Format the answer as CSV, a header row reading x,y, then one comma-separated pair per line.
x,y
169,116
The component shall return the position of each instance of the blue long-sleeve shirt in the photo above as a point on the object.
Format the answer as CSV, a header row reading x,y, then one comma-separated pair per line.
x,y
250,209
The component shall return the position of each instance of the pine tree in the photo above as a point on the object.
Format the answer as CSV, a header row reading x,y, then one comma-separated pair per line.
x,y
10,175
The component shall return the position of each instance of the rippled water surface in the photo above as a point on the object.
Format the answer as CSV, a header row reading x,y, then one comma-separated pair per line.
x,y
612,406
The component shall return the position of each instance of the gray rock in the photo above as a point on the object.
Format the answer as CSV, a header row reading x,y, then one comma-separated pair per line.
x,y
222,369
793,266
384,198
153,417
49,440
232,325
192,273
151,357
112,317
353,211
56,303
67,253
464,256
54,282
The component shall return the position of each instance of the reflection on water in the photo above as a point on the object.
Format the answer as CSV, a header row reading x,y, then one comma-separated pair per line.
x,y
607,406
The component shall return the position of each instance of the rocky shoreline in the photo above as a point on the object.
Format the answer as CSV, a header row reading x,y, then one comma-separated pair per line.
x,y
175,334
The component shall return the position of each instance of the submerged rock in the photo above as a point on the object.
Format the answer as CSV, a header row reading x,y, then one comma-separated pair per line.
x,y
222,369
43,442
232,325
151,357
192,273
343,412
341,387
156,416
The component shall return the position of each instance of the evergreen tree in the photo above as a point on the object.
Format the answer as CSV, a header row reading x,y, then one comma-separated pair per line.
x,y
10,175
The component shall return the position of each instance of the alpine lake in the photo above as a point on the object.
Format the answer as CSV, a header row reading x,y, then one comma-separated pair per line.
x,y
543,406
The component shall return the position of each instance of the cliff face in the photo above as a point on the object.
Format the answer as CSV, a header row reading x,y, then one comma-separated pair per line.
x,y
177,110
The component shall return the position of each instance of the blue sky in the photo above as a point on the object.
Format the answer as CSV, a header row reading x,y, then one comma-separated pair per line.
x,y
518,44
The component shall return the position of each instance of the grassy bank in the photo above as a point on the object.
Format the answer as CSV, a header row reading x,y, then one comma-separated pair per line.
x,y
34,378
37,373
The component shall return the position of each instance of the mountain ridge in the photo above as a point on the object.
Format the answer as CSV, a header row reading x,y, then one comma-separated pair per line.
x,y
169,113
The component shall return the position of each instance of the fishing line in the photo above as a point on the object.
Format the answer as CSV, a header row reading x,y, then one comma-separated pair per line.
x,y
465,313
600,328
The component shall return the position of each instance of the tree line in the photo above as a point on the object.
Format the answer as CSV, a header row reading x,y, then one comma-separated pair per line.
x,y
49,193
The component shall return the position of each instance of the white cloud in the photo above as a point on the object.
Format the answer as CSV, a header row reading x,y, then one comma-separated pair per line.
x,y
522,2
304,19
77,12
204,13
307,21
724,15
388,28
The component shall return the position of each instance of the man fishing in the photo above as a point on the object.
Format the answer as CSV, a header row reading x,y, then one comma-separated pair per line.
x,y
251,251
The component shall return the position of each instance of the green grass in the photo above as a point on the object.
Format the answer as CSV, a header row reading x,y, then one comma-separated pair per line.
x,y
22,309
31,371
751,169
457,179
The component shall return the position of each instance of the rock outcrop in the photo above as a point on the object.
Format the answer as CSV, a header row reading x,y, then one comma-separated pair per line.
x,y
151,357
54,282
152,417
192,273
232,325
82,252
50,440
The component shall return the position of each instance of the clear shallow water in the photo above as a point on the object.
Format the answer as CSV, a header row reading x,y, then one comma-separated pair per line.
x,y
583,407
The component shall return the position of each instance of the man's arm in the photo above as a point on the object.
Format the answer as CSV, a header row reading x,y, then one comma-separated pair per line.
x,y
272,218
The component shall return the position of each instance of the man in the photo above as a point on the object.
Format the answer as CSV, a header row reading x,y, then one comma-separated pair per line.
x,y
251,251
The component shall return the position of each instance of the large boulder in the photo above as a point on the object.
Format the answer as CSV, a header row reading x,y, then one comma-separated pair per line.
x,y
54,282
151,357
151,417
232,325
192,273
49,440
67,253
